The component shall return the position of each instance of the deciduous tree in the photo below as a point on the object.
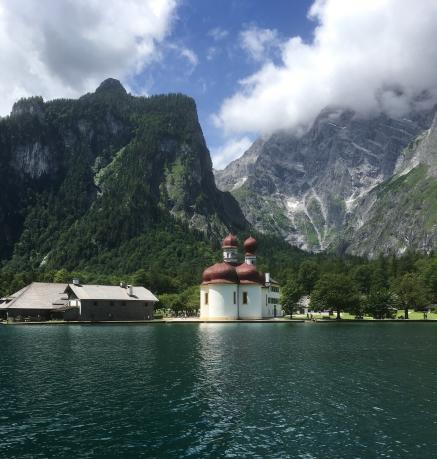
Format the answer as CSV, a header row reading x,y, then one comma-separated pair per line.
x,y
290,294
411,292
381,304
337,292
309,273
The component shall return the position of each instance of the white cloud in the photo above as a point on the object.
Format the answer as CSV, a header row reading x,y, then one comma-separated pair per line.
x,y
231,150
65,48
258,42
190,55
369,55
211,53
218,33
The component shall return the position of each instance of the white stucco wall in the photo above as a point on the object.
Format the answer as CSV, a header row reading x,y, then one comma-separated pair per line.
x,y
277,295
220,302
204,308
265,306
253,308
269,308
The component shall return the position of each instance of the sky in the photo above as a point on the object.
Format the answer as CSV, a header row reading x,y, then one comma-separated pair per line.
x,y
253,66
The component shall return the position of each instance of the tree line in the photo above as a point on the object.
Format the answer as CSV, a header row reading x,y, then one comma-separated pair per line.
x,y
342,284
378,288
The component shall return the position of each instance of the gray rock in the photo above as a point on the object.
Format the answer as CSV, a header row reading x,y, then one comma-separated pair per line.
x,y
304,188
400,213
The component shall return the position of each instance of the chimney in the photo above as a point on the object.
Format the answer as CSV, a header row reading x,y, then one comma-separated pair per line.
x,y
76,281
130,290
267,278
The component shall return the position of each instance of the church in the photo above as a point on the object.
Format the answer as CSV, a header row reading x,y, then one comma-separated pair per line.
x,y
232,290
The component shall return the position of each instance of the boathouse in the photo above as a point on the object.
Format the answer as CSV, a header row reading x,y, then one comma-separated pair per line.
x,y
111,302
36,301
41,301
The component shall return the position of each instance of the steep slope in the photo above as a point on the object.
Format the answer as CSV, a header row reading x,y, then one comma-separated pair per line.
x,y
237,172
303,188
400,213
81,179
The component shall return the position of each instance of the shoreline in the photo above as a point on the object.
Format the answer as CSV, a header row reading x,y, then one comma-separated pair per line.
x,y
171,321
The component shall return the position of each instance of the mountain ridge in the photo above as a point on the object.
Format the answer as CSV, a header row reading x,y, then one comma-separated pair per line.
x,y
304,188
83,177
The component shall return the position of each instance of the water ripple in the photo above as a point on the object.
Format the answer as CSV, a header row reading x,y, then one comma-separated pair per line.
x,y
219,390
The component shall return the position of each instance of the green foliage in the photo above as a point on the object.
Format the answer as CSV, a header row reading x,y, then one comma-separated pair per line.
x,y
291,292
428,273
338,292
411,292
381,304
308,275
362,275
183,304
122,177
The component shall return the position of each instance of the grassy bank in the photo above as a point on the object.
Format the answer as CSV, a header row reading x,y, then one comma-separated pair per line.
x,y
413,315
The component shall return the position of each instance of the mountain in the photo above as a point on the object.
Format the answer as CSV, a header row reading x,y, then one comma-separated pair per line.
x,y
307,188
400,213
109,182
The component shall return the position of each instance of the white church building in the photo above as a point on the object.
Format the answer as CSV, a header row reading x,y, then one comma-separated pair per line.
x,y
232,290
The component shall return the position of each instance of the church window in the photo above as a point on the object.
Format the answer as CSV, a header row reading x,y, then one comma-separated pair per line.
x,y
244,297
206,297
235,297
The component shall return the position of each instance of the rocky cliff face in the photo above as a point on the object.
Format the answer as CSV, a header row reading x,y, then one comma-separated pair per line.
x,y
400,213
305,188
96,172
237,172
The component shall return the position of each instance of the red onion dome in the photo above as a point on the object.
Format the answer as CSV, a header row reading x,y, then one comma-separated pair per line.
x,y
250,245
220,273
230,241
248,274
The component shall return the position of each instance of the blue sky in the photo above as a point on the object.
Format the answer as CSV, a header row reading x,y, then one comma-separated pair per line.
x,y
212,30
253,66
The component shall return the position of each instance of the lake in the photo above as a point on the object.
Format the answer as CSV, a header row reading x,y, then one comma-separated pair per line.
x,y
219,390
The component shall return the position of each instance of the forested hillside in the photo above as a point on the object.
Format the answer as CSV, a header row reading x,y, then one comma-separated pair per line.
x,y
112,184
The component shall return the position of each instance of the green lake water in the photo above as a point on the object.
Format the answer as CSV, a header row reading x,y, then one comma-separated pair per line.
x,y
219,390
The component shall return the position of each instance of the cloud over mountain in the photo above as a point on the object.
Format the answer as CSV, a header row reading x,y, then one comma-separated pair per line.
x,y
233,148
62,49
369,55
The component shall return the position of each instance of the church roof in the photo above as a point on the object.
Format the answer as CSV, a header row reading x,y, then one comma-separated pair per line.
x,y
248,274
230,241
220,273
250,245
231,272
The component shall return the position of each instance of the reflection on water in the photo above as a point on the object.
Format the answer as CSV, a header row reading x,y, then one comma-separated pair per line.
x,y
219,390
